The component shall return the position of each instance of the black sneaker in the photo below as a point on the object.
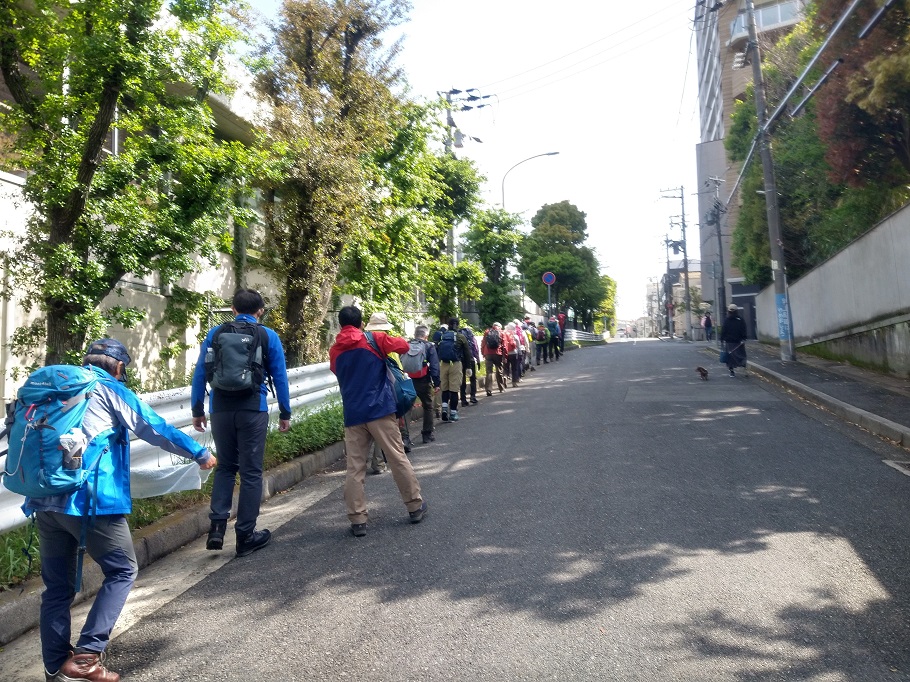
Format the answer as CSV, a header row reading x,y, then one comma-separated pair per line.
x,y
216,535
473,401
255,540
358,530
417,516
428,438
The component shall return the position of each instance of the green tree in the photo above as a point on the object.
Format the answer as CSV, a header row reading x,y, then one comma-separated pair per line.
x,y
329,79
492,241
865,110
556,245
87,78
383,264
446,284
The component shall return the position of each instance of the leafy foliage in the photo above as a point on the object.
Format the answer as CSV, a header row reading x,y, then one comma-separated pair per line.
x,y
819,213
329,81
91,76
419,195
492,240
556,245
865,110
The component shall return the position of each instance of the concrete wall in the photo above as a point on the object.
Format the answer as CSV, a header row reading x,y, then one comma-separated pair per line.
x,y
856,305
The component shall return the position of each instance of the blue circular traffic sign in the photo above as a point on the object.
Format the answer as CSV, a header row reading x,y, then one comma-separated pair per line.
x,y
548,278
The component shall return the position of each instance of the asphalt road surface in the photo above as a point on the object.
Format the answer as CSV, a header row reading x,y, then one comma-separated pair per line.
x,y
612,518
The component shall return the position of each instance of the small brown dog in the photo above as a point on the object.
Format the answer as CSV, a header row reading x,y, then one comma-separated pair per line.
x,y
703,372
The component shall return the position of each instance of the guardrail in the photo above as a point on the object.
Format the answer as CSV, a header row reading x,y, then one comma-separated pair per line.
x,y
310,387
579,335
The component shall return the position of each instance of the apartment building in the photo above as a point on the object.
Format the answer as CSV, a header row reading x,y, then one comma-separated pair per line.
x,y
724,71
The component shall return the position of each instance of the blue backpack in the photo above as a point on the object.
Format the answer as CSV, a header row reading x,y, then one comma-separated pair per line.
x,y
402,386
48,451
448,351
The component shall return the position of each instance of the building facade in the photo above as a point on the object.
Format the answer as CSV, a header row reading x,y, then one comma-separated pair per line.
x,y
724,72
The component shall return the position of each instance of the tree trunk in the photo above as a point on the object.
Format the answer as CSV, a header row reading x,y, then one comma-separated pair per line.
x,y
60,337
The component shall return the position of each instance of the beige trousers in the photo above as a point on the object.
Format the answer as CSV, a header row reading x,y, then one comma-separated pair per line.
x,y
357,441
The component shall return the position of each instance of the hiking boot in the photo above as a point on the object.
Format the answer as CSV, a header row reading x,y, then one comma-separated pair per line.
x,y
454,416
417,516
255,540
489,393
85,667
445,415
473,401
407,446
464,403
216,535
428,437
376,470
358,530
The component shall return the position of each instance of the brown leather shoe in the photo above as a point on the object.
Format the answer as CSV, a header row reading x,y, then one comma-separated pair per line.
x,y
85,668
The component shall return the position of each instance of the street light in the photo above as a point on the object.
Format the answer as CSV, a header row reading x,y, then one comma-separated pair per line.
x,y
514,167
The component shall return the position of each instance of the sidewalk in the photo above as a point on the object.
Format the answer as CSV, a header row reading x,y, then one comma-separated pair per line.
x,y
877,402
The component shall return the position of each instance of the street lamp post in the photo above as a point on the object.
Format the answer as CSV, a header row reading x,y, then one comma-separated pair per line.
x,y
514,167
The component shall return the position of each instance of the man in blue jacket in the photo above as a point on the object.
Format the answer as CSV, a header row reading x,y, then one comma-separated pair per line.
x,y
112,409
369,415
240,422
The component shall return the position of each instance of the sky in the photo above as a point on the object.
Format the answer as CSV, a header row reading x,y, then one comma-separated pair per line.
x,y
611,86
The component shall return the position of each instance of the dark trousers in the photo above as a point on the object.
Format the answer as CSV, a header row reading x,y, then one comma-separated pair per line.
x,y
541,352
515,368
239,445
472,381
424,388
109,543
494,363
554,347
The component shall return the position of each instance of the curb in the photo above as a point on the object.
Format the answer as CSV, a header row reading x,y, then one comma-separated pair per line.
x,y
872,423
19,608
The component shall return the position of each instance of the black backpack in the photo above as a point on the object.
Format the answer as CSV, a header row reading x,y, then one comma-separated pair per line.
x,y
235,361
493,339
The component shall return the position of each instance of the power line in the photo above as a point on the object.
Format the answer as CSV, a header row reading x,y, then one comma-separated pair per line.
x,y
581,49
576,73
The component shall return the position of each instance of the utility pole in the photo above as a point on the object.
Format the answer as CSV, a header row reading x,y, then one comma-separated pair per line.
x,y
668,287
778,265
714,219
688,299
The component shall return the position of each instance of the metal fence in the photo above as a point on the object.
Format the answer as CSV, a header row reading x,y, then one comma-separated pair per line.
x,y
578,335
310,387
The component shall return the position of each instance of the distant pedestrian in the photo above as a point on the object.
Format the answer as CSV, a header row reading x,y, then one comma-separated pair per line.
x,y
469,369
493,348
513,353
733,334
708,324
368,403
240,418
562,319
426,381
553,328
112,411
452,349
543,342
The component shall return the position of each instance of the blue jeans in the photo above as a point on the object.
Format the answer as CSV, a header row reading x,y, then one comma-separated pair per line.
x,y
109,543
239,445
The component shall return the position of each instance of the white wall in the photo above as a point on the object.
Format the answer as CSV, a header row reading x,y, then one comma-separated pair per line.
x,y
865,287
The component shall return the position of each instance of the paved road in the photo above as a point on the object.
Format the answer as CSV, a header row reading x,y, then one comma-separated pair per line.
x,y
613,518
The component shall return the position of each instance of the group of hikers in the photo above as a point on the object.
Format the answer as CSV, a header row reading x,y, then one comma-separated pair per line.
x,y
445,366
239,363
